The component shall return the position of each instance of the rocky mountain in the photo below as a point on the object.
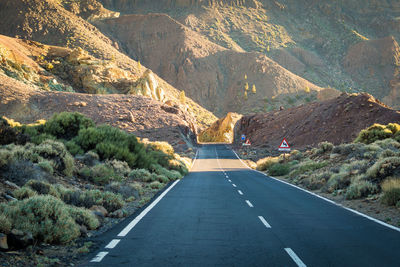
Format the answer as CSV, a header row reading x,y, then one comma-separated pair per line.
x,y
218,78
64,52
312,39
337,120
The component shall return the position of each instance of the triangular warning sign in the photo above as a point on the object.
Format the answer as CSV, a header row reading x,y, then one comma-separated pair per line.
x,y
284,144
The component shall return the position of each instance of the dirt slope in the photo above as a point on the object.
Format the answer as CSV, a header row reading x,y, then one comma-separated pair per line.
x,y
142,116
210,74
48,22
337,120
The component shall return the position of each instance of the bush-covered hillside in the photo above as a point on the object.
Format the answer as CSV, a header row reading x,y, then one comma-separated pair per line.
x,y
67,174
368,167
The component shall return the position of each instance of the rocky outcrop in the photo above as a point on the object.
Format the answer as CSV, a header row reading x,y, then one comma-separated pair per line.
x,y
221,130
376,63
337,120
90,10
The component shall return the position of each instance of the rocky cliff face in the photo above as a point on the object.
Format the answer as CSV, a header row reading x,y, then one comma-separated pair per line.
x,y
376,63
212,75
309,38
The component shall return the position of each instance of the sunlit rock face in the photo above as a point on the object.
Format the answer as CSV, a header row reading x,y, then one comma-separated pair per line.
x,y
127,4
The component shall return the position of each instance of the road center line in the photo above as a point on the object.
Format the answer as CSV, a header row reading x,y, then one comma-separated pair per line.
x,y
133,223
295,258
249,203
264,221
321,197
99,257
113,243
234,185
240,192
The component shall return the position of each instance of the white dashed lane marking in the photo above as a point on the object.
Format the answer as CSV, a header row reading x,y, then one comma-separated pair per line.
x,y
240,192
233,185
264,221
295,258
113,243
249,203
99,257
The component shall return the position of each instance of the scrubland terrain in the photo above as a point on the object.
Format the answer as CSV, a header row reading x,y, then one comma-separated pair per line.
x,y
102,103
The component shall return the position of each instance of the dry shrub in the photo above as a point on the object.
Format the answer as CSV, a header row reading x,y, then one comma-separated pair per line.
x,y
265,163
360,188
391,191
383,168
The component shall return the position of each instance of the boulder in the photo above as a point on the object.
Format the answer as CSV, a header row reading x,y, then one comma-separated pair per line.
x,y
3,242
99,209
17,239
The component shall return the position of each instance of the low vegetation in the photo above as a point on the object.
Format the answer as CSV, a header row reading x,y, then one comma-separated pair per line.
x,y
108,168
369,167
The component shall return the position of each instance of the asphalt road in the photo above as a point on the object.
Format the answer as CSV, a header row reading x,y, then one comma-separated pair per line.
x,y
224,214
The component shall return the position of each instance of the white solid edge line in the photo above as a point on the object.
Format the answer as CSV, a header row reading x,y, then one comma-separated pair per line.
x,y
99,257
233,185
264,222
133,223
240,192
113,243
195,157
295,258
323,198
249,203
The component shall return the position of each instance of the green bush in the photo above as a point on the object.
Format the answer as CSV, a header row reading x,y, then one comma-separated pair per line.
x,y
24,192
66,125
112,143
120,167
156,185
6,157
5,224
377,132
46,217
360,188
142,175
73,148
383,168
46,166
110,201
43,188
100,174
279,169
307,166
55,152
324,147
315,181
84,217
338,181
171,175
160,178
